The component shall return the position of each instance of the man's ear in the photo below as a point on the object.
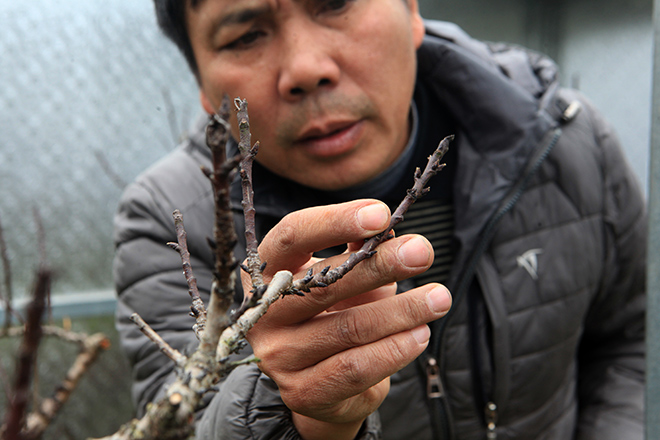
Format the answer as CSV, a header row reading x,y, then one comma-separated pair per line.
x,y
206,103
416,22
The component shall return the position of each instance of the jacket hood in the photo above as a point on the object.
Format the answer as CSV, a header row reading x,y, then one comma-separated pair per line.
x,y
502,101
497,93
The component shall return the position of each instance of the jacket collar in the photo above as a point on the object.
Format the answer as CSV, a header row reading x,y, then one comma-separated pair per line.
x,y
499,96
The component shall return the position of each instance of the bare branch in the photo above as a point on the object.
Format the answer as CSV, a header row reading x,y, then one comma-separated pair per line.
x,y
170,112
327,277
8,297
26,358
108,170
53,331
282,281
224,274
43,256
38,420
197,308
248,152
149,332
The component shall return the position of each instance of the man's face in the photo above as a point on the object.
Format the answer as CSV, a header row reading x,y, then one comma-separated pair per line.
x,y
328,82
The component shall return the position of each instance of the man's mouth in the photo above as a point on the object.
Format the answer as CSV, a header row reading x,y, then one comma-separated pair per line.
x,y
333,139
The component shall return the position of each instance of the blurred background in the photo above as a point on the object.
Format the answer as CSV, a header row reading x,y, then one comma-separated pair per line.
x,y
92,94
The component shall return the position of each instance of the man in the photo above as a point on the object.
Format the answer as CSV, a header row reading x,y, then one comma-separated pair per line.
x,y
537,225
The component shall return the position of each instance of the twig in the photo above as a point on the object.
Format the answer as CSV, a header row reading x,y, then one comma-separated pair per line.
x,y
170,112
282,281
419,189
197,308
9,293
224,274
43,257
109,171
26,357
38,420
254,265
149,332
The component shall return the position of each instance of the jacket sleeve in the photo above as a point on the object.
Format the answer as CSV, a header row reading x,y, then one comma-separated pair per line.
x,y
149,281
251,408
611,356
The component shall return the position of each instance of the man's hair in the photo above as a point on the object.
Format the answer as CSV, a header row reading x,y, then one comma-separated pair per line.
x,y
171,16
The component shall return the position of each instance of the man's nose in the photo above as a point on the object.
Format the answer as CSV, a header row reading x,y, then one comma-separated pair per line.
x,y
307,62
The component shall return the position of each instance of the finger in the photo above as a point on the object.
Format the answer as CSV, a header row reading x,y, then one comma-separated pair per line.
x,y
291,243
382,292
357,245
355,408
331,333
353,371
395,260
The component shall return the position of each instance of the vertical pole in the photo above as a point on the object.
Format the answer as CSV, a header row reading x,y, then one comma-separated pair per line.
x,y
653,278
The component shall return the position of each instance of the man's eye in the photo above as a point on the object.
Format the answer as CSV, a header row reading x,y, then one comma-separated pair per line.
x,y
333,5
244,41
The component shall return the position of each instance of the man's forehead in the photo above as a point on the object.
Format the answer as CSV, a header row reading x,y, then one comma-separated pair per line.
x,y
236,12
242,3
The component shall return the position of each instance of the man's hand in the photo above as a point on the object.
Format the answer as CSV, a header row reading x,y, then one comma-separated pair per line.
x,y
332,351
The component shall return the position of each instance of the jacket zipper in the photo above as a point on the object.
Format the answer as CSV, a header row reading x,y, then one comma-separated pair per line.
x,y
440,414
491,421
435,393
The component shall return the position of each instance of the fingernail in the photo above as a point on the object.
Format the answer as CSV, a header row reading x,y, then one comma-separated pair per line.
x,y
438,299
373,217
414,252
421,334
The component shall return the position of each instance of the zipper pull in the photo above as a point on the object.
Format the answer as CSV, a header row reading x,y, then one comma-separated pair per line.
x,y
491,421
434,388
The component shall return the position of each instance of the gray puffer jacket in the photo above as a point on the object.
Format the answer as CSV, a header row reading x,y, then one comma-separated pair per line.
x,y
545,339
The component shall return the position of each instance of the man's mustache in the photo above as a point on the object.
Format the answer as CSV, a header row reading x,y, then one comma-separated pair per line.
x,y
324,107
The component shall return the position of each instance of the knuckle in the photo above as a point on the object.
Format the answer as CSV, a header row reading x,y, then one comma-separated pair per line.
x,y
284,234
295,396
352,370
301,395
413,308
271,346
397,350
379,269
350,328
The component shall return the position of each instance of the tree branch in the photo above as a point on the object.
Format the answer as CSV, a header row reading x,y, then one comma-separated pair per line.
x,y
198,311
39,419
254,266
419,189
150,333
224,274
172,417
8,297
26,358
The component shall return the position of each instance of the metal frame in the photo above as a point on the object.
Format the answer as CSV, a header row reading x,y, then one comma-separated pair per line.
x,y
72,305
653,278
